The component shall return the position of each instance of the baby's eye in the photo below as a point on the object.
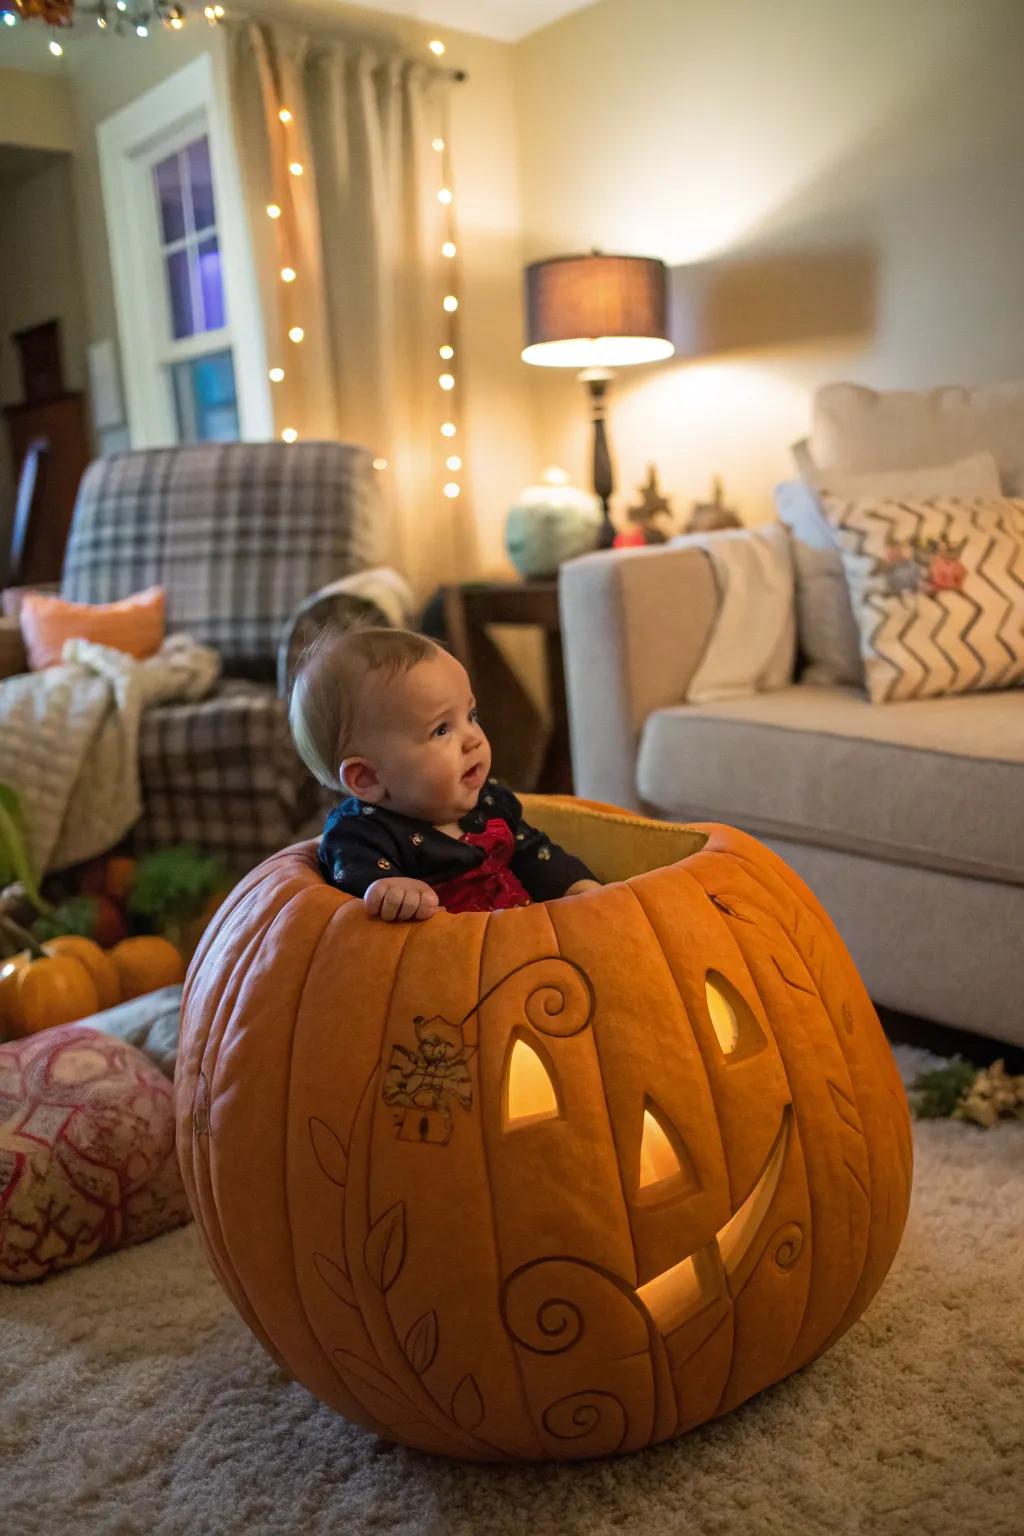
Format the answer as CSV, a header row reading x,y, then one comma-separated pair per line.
x,y
442,729
474,717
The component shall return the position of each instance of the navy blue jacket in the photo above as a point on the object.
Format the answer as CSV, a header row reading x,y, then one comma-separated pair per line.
x,y
363,843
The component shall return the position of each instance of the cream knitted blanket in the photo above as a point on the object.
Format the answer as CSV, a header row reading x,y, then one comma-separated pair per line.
x,y
69,741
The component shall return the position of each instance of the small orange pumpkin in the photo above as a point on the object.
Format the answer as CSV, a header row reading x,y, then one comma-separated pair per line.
x,y
39,992
96,961
146,963
558,1181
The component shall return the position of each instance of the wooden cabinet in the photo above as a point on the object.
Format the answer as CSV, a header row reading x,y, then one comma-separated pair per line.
x,y
525,755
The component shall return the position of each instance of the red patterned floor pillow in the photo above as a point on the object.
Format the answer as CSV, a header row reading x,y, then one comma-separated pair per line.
x,y
87,1160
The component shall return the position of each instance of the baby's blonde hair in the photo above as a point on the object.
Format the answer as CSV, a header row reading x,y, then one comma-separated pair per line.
x,y
328,684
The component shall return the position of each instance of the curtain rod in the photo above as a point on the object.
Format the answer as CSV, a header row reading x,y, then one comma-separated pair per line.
x,y
243,17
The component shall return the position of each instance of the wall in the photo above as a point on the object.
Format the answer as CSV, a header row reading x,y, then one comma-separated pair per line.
x,y
35,113
104,73
764,151
39,255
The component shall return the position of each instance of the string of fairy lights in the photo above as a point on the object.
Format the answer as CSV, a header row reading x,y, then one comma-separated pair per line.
x,y
118,18
283,215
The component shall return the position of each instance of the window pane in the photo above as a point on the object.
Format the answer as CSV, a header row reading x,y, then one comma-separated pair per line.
x,y
179,287
201,179
204,396
211,283
167,176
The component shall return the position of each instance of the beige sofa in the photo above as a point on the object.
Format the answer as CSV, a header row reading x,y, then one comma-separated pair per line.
x,y
906,819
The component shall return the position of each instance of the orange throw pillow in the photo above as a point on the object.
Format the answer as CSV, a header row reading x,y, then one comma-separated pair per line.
x,y
135,625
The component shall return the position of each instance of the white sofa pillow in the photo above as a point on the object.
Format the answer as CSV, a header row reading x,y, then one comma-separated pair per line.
x,y
752,645
855,428
829,635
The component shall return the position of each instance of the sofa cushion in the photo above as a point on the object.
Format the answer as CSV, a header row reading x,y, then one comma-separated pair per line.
x,y
938,783
861,429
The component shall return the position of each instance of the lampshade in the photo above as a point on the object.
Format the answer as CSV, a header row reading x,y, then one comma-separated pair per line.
x,y
596,311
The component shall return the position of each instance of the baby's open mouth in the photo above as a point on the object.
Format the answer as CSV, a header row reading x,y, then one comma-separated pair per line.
x,y
472,776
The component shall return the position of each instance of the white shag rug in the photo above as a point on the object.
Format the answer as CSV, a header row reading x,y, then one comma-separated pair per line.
x,y
132,1400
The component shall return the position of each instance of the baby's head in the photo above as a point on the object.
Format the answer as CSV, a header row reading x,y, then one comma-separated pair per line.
x,y
390,717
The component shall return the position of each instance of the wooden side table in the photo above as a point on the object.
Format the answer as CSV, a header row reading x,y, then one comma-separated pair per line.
x,y
526,755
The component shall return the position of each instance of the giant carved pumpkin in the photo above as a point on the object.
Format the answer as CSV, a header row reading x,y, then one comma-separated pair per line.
x,y
558,1181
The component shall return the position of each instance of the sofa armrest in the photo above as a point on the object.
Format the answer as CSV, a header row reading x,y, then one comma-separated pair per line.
x,y
12,651
634,626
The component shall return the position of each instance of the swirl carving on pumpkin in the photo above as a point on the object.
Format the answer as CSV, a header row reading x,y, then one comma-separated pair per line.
x,y
560,1002
545,1305
599,1416
562,1307
787,1244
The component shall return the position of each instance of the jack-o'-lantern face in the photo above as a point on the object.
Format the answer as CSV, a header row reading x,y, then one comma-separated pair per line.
x,y
605,1168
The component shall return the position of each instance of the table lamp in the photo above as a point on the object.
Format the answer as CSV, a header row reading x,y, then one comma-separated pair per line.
x,y
596,313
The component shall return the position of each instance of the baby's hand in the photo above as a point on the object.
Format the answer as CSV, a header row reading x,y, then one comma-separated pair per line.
x,y
579,886
401,900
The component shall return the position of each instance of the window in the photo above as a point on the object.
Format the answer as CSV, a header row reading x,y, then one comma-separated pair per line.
x,y
205,406
188,317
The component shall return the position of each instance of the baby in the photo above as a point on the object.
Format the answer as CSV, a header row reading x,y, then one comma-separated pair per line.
x,y
389,717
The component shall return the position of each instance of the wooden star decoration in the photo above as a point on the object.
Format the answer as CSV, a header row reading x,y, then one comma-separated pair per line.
x,y
652,501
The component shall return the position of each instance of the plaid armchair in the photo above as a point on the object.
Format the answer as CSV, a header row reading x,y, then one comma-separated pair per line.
x,y
239,536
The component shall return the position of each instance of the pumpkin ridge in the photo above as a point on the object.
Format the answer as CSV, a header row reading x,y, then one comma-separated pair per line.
x,y
198,1176
686,1012
735,928
425,1402
866,1058
728,1316
224,1012
335,913
814,1198
627,885
415,1390
499,1267
249,886
369,1090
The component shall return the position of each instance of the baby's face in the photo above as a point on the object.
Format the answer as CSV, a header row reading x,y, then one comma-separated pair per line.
x,y
425,742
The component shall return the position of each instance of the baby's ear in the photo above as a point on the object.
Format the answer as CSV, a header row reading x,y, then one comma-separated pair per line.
x,y
360,778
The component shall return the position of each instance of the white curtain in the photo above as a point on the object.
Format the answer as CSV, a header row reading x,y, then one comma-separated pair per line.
x,y
362,228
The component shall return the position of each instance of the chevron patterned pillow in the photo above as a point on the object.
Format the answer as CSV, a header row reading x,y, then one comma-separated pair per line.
x,y
937,587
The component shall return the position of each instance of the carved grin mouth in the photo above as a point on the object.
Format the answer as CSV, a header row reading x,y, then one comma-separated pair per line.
x,y
677,1293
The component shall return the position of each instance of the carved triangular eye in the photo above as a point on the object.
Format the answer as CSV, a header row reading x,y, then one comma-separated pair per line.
x,y
723,1017
735,1025
530,1094
666,1169
657,1159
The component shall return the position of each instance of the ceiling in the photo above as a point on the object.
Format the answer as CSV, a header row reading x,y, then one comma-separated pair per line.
x,y
504,20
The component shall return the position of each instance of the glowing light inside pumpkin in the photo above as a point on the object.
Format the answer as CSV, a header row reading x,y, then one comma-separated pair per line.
x,y
657,1159
529,1092
678,1293
723,1017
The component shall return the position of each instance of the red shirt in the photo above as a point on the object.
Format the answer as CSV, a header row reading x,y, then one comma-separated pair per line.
x,y
492,885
